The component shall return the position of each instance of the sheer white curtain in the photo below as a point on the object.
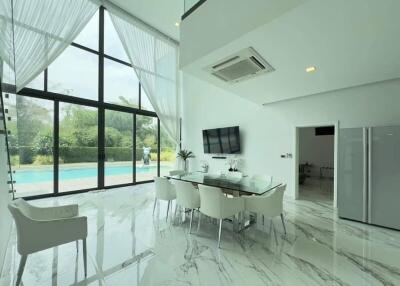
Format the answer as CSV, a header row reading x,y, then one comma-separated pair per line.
x,y
6,50
40,31
154,58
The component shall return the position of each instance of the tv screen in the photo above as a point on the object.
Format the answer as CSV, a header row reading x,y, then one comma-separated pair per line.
x,y
221,140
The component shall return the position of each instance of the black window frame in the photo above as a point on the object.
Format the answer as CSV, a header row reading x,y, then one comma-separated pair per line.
x,y
101,106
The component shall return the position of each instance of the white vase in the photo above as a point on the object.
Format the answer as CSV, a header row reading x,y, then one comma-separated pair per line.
x,y
186,166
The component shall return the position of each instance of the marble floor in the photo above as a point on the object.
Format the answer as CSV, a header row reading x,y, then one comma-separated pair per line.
x,y
317,190
128,246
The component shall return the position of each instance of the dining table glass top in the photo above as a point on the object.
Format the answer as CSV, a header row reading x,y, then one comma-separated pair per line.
x,y
242,185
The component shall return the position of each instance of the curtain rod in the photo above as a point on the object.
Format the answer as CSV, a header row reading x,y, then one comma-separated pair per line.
x,y
109,5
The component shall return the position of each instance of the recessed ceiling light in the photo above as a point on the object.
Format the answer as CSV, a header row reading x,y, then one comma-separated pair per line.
x,y
311,69
177,24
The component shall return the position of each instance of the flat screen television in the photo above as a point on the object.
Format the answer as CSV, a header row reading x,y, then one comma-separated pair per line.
x,y
221,140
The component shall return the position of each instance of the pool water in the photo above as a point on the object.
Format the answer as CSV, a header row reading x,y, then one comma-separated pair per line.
x,y
46,175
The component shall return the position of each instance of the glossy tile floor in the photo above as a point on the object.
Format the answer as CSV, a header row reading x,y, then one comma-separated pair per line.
x,y
127,246
318,190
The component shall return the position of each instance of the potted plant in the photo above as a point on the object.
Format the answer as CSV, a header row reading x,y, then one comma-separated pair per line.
x,y
185,155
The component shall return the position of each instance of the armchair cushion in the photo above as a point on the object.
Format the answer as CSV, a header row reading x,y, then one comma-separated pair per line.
x,y
47,213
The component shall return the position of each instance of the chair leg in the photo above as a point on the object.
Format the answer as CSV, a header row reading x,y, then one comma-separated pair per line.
x,y
198,222
154,207
21,269
273,228
176,208
169,202
283,223
77,246
219,234
84,256
191,219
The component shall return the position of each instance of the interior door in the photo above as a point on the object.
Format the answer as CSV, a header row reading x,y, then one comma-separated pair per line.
x,y
352,174
384,191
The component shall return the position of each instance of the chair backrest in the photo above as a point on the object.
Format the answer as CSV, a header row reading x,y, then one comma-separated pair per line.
x,y
211,201
164,189
24,207
176,172
270,204
20,212
276,198
187,195
262,177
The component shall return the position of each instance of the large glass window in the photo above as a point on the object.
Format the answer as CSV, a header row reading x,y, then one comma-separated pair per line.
x,y
89,37
121,85
78,145
86,106
118,148
146,148
167,153
112,44
75,72
31,144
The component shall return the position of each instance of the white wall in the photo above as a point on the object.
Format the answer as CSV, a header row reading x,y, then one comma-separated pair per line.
x,y
267,132
316,150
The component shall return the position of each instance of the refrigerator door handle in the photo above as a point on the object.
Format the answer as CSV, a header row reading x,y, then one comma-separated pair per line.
x,y
369,200
365,174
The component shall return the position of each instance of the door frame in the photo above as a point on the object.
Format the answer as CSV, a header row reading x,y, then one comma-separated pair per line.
x,y
297,155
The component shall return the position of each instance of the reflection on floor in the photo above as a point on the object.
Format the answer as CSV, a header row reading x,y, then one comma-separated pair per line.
x,y
127,246
318,190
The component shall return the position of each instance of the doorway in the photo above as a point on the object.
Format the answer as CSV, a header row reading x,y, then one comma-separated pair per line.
x,y
315,163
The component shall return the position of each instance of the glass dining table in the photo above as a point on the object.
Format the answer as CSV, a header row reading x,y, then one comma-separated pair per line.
x,y
229,184
234,186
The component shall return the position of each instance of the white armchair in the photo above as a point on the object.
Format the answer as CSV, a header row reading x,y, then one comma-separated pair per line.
x,y
165,191
269,205
214,204
187,196
43,228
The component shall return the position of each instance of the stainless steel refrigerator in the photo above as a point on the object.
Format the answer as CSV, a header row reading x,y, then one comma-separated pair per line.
x,y
369,175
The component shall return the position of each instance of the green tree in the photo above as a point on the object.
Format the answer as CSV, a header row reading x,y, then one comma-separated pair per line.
x,y
31,120
43,142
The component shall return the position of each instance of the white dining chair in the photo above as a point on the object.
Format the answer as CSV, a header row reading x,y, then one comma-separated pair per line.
x,y
176,172
165,191
214,204
269,205
42,228
262,177
187,196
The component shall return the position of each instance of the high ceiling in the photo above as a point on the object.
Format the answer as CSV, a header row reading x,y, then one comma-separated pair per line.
x,y
351,42
161,14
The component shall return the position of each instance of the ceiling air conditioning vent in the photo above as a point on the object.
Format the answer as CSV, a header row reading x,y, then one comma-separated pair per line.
x,y
243,65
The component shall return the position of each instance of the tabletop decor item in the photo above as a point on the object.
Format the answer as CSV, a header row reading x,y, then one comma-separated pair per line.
x,y
204,166
184,155
233,163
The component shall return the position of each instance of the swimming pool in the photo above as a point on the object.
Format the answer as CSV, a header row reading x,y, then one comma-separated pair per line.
x,y
73,173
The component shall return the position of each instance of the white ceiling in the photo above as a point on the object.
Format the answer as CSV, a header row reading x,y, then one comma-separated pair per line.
x,y
161,14
351,42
